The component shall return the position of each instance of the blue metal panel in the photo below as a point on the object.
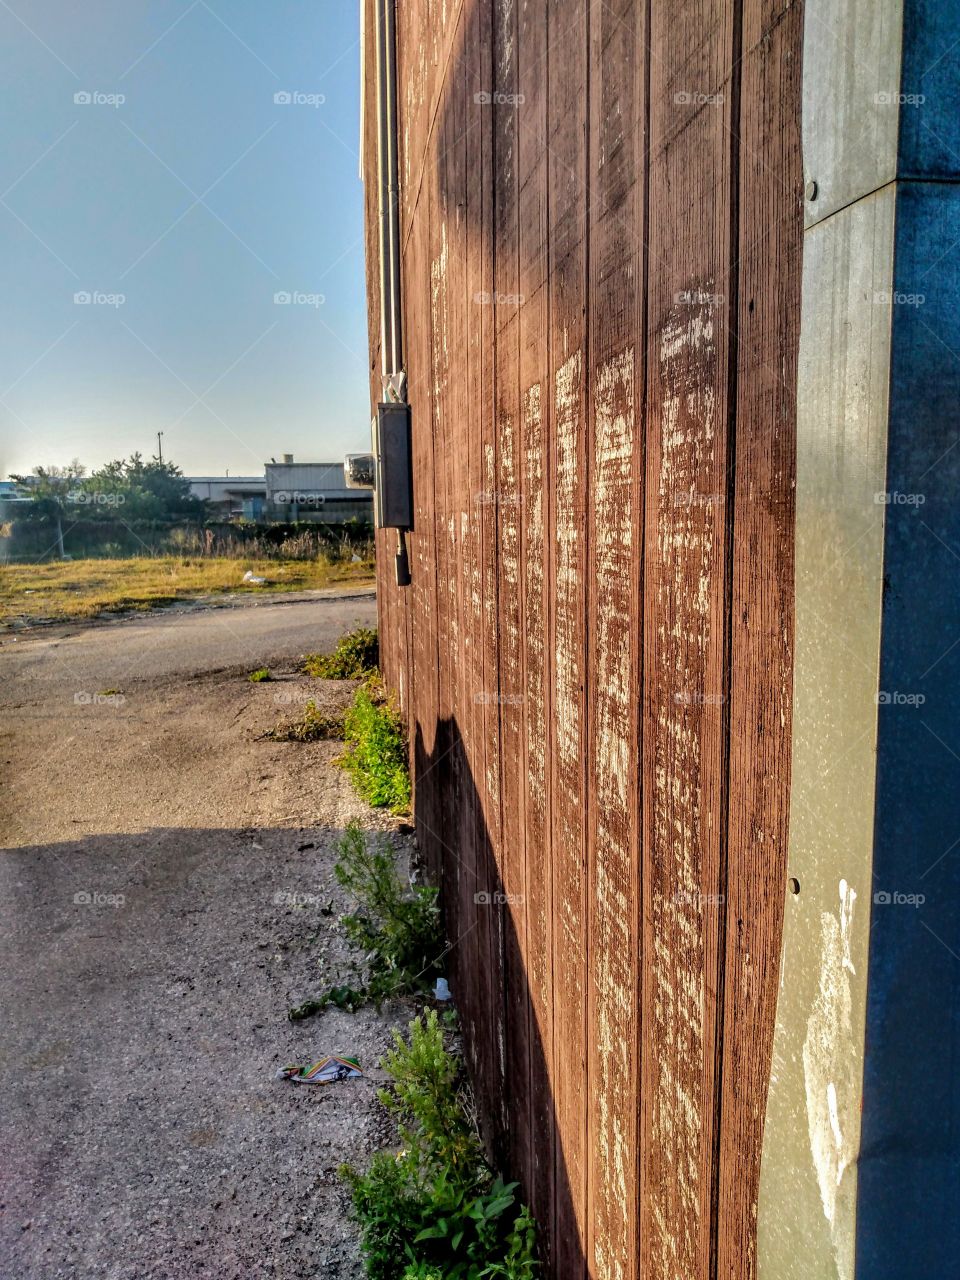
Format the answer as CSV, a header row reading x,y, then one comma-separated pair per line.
x,y
909,1187
930,90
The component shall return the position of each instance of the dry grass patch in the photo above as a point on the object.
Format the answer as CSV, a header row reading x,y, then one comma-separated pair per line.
x,y
73,589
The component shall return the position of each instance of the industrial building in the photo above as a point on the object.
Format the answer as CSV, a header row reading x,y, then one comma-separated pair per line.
x,y
288,491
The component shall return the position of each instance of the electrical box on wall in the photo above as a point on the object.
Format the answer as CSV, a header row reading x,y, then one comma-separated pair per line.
x,y
360,471
394,466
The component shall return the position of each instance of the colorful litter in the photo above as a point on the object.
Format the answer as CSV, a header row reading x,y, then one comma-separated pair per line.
x,y
326,1071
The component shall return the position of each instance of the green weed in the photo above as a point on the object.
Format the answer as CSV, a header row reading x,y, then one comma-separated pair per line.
x,y
376,755
436,1204
313,726
343,997
260,676
356,656
395,928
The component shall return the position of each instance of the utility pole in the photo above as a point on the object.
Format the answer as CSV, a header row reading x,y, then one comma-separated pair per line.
x,y
160,447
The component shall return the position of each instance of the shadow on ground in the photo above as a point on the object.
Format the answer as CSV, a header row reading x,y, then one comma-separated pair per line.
x,y
146,980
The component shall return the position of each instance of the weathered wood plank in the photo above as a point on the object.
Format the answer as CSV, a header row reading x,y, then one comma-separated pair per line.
x,y
692,47
489,916
460,850
613,620
471,942
508,504
424,693
535,409
439,391
567,159
761,646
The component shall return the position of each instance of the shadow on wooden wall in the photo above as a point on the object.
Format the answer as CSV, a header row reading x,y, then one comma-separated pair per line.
x,y
488,978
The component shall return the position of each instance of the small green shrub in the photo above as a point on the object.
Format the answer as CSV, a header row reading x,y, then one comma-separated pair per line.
x,y
437,1138
343,997
312,726
436,1203
395,929
259,676
356,656
376,755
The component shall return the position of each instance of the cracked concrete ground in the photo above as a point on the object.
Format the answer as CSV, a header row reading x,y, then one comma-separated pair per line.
x,y
164,898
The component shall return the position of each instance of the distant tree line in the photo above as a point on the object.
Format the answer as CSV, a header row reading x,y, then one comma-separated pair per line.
x,y
126,490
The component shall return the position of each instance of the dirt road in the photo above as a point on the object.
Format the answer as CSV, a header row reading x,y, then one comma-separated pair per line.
x,y
162,902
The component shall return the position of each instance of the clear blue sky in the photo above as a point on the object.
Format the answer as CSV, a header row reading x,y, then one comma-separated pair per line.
x,y
198,198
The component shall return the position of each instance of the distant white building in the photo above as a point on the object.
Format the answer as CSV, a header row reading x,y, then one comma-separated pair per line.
x,y
313,491
232,496
288,491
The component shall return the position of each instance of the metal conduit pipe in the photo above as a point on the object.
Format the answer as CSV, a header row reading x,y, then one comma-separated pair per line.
x,y
391,324
391,321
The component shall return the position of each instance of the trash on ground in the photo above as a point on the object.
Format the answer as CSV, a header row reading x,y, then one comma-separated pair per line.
x,y
252,580
326,1071
442,991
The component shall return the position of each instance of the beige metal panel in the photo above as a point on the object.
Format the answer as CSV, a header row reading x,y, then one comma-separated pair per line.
x,y
807,1209
306,477
851,82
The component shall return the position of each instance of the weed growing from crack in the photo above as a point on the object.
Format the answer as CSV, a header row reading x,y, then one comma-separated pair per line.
x,y
436,1204
356,656
376,755
313,725
395,928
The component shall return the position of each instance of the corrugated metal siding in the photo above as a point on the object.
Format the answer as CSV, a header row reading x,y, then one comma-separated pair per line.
x,y
307,477
601,209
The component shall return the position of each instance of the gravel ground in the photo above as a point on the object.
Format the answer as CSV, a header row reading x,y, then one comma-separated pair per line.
x,y
163,903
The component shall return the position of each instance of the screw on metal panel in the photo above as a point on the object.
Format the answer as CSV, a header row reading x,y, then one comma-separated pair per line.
x,y
811,190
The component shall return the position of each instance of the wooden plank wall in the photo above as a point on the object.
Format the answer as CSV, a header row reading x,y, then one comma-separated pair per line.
x,y
600,209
